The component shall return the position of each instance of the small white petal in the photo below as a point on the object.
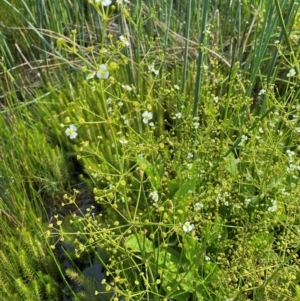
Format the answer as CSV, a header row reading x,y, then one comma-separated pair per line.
x,y
126,87
123,141
124,40
188,227
104,2
291,73
102,72
147,116
71,131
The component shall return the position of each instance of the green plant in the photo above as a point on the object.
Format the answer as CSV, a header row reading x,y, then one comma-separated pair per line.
x,y
195,193
193,164
28,271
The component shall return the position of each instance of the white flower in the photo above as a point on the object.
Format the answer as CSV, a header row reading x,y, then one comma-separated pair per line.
x,y
120,2
176,87
188,227
196,124
126,121
262,91
190,156
178,115
104,2
247,202
198,206
154,196
123,141
71,131
216,99
283,192
244,138
152,69
236,206
126,87
124,40
151,123
273,208
290,153
109,101
291,73
102,72
207,258
205,67
147,116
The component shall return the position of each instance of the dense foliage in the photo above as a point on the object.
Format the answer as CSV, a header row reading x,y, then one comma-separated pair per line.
x,y
150,150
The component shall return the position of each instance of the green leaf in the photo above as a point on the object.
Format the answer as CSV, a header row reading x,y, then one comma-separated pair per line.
x,y
169,262
173,186
216,231
188,280
152,173
139,243
231,164
193,250
184,189
211,270
180,197
167,259
266,238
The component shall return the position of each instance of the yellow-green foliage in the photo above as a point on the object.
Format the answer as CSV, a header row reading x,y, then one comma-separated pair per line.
x,y
41,164
27,270
200,199
10,16
14,14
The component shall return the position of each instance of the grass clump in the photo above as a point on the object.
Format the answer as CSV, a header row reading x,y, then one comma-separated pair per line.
x,y
28,270
194,164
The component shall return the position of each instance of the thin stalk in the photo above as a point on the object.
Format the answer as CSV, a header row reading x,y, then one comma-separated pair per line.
x,y
280,267
286,36
27,21
201,57
238,140
186,47
261,44
40,16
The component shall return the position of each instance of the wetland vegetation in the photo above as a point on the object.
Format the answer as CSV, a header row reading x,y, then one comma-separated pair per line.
x,y
149,150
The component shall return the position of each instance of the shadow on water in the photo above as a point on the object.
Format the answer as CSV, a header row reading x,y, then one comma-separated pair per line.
x,y
88,266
